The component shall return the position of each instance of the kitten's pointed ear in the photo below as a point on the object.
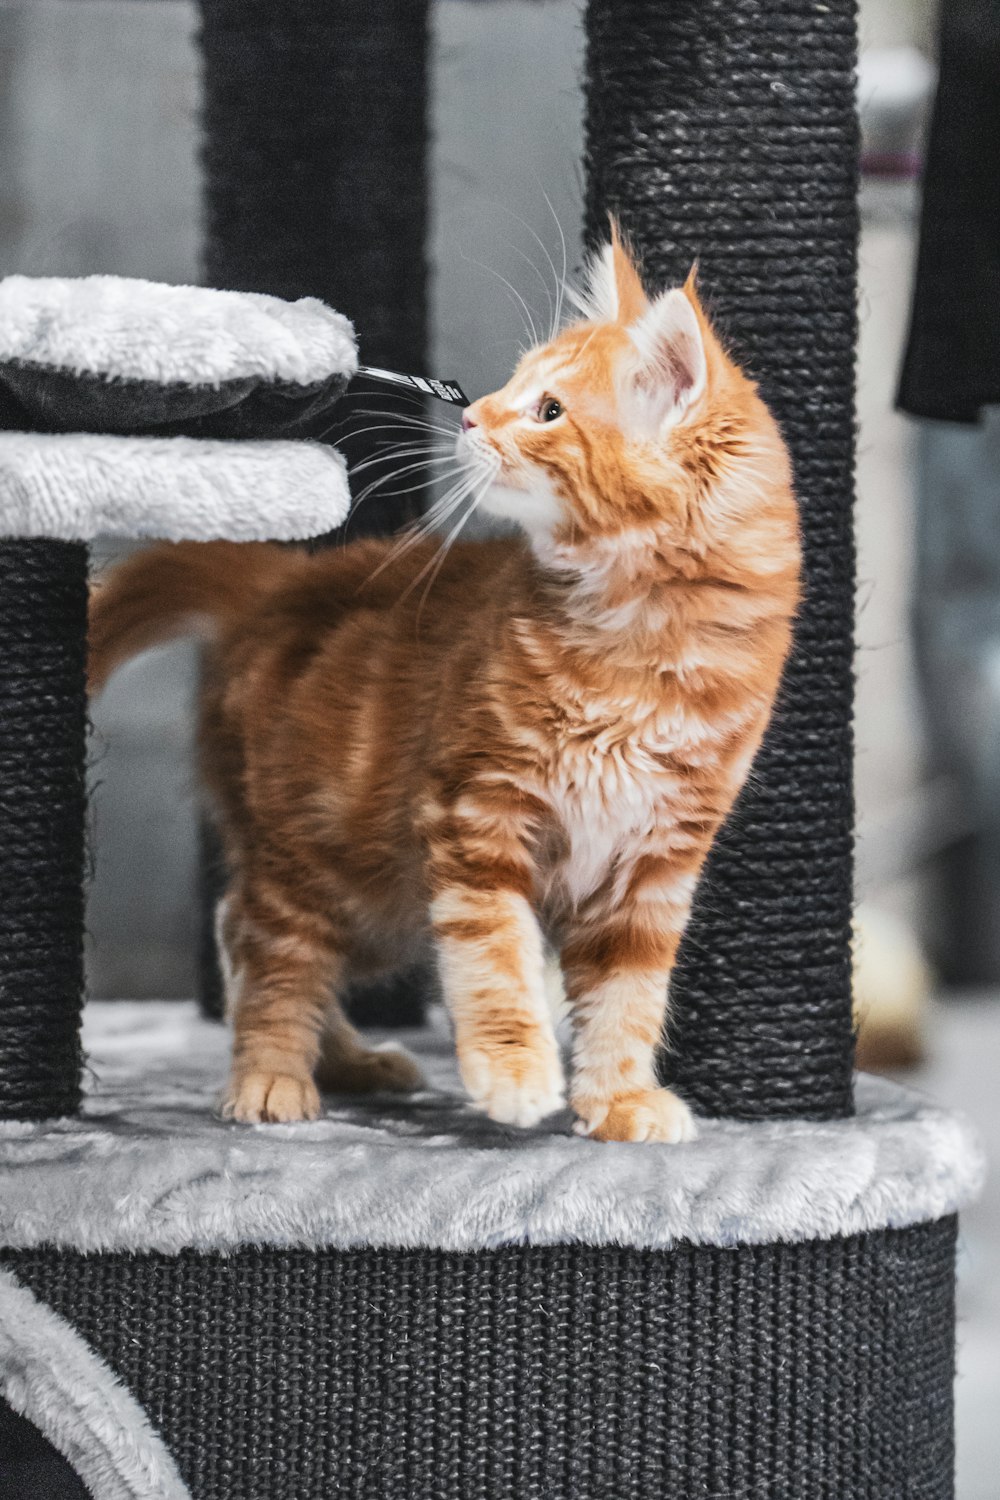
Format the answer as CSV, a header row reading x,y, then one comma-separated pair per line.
x,y
613,291
631,295
670,370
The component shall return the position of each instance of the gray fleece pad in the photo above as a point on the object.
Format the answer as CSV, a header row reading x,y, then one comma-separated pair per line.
x,y
78,485
150,1167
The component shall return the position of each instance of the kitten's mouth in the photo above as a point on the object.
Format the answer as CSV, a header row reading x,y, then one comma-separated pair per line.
x,y
470,448
481,457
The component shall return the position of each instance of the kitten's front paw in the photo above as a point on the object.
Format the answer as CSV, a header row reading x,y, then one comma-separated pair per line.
x,y
256,1097
514,1085
645,1115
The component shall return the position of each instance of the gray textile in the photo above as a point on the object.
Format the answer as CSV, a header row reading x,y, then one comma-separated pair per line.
x,y
149,1166
77,485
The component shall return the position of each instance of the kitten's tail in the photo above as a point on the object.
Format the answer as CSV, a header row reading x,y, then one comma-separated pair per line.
x,y
171,590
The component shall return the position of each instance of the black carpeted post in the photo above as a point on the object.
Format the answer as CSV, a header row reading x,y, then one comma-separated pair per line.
x,y
315,185
724,131
43,716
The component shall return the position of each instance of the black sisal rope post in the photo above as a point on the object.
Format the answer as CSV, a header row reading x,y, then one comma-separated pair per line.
x,y
315,120
724,131
43,718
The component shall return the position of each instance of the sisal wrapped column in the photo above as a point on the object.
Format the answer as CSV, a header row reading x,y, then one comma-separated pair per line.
x,y
315,123
724,132
43,715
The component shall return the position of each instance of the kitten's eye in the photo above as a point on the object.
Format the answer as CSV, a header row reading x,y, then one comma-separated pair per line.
x,y
549,409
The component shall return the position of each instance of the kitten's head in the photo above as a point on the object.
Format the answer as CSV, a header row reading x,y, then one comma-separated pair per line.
x,y
632,417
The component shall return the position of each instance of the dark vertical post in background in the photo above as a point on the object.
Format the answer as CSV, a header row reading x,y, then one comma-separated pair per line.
x,y
315,145
43,719
724,131
315,159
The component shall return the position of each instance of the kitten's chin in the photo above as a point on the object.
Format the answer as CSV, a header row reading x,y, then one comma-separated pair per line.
x,y
535,511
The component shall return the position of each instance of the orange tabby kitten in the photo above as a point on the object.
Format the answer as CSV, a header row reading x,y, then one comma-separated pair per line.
x,y
543,747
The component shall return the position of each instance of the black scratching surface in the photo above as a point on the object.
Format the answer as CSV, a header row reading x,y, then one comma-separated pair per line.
x,y
315,158
43,627
724,131
799,1372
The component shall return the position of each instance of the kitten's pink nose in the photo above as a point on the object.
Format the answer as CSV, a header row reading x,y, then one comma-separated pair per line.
x,y
468,421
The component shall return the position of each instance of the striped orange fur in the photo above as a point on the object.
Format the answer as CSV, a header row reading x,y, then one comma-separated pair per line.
x,y
538,750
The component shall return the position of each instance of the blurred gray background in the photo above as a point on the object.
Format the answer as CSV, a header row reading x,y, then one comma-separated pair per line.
x,y
99,153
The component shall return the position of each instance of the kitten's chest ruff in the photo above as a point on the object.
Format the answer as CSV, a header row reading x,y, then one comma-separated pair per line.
x,y
610,786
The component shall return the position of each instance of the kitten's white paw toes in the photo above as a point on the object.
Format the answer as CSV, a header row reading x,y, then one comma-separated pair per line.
x,y
514,1085
645,1115
262,1096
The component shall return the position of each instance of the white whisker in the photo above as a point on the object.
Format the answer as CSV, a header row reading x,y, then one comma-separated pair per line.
x,y
398,392
557,282
391,451
421,529
561,282
403,420
549,297
376,484
411,468
445,548
403,437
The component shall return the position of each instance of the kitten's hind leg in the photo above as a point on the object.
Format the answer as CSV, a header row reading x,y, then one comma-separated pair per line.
x,y
281,965
347,1065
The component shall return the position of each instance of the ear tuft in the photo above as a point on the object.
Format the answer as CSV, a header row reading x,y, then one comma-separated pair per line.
x,y
598,300
671,370
632,299
612,290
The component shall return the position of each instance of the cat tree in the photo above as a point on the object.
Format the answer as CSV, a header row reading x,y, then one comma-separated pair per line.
x,y
401,1299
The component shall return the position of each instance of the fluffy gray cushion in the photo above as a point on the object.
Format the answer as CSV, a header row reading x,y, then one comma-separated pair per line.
x,y
143,330
75,485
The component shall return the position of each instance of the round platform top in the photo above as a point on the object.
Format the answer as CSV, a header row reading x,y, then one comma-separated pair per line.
x,y
109,354
128,329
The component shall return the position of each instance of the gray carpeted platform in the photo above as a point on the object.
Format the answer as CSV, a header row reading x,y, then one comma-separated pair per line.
x,y
148,1165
